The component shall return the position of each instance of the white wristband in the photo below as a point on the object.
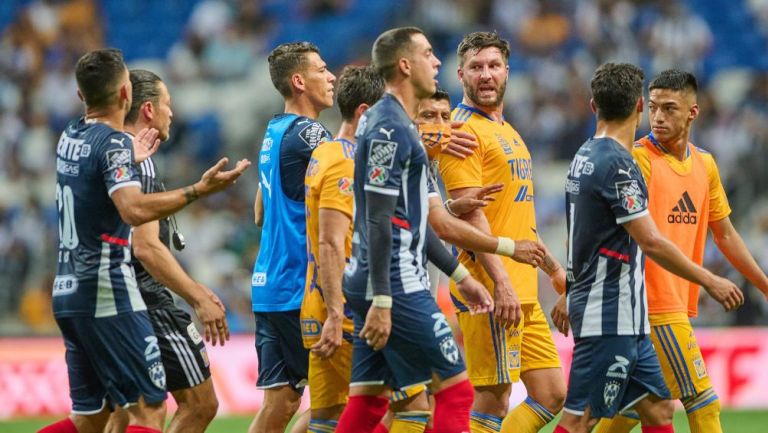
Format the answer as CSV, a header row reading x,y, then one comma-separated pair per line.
x,y
506,247
459,273
382,301
447,205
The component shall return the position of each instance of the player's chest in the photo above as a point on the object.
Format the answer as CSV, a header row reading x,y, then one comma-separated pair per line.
x,y
506,157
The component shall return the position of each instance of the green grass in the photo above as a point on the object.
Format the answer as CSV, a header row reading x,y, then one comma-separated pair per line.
x,y
733,422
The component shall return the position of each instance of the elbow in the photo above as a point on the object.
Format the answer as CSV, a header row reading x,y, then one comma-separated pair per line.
x,y
132,216
651,245
141,250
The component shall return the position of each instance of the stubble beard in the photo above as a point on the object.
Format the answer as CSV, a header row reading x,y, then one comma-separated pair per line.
x,y
475,98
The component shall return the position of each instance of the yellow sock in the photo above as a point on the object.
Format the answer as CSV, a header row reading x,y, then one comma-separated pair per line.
x,y
617,424
484,423
528,417
704,412
409,422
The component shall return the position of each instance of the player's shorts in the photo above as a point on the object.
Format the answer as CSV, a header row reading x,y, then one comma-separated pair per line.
x,y
184,356
609,374
421,343
112,360
283,360
496,355
679,354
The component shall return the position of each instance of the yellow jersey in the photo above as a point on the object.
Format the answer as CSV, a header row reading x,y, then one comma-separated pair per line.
x,y
327,185
684,196
501,157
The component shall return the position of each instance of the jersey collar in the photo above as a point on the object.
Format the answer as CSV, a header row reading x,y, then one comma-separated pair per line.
x,y
664,149
478,111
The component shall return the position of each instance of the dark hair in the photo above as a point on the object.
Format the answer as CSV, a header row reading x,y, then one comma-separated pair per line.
x,y
357,85
97,74
389,48
146,87
440,95
476,41
616,87
674,79
287,59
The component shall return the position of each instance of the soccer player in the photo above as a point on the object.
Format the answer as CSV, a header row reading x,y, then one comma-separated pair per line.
x,y
515,342
685,197
305,83
181,346
112,354
614,365
401,338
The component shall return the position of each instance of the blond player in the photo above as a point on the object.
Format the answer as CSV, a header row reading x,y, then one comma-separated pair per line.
x,y
685,198
515,341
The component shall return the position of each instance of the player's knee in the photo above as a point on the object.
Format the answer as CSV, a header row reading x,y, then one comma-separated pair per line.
x,y
493,400
552,400
660,414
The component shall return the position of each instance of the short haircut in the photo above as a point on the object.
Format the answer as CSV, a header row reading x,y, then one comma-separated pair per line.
x,y
287,59
357,85
146,87
674,79
390,47
476,41
441,95
98,73
616,88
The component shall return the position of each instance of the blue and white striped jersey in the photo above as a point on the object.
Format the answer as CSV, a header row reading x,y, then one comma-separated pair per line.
x,y
94,276
391,160
605,269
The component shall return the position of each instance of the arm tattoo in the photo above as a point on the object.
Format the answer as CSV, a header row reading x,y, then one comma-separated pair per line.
x,y
190,194
549,266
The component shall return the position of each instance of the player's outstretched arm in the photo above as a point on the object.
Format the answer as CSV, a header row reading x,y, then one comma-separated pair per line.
x,y
332,236
378,322
160,263
468,203
137,208
732,245
464,235
258,209
662,251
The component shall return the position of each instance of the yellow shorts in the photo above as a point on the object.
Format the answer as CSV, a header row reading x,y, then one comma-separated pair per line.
x,y
495,355
329,380
679,355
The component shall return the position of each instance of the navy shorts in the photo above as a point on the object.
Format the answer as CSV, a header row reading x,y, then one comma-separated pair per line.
x,y
421,343
283,360
609,374
181,345
112,360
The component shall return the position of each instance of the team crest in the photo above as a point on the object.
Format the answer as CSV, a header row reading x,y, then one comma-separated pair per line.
x,y
611,392
345,186
378,175
450,350
701,369
157,374
514,360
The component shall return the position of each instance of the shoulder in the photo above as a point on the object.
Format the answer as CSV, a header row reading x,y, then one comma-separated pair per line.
x,y
304,131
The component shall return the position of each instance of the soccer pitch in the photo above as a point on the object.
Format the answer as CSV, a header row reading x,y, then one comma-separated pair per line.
x,y
734,421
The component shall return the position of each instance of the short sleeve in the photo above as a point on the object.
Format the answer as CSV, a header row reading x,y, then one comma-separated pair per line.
x,y
116,163
460,173
389,149
336,190
432,190
719,207
640,154
299,141
624,190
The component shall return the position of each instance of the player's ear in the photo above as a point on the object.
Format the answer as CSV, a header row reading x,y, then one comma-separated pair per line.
x,y
693,113
640,104
593,106
361,109
80,95
148,110
297,82
404,65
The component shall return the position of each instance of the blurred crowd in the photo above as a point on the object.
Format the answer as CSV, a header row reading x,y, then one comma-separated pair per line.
x,y
215,66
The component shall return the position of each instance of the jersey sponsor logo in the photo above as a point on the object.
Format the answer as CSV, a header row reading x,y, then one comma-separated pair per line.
x,y
67,168
378,175
64,285
259,279
313,134
581,165
572,186
117,158
632,199
684,212
346,186
311,328
627,172
72,148
120,141
522,194
193,333
387,132
618,370
266,145
122,174
152,351
382,153
504,144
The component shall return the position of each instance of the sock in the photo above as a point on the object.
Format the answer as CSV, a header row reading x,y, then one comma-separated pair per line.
x,y
322,425
64,426
410,422
362,414
381,428
704,412
452,407
618,424
484,423
528,417
560,429
658,429
141,429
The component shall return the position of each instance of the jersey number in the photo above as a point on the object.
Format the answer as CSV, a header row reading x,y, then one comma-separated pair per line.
x,y
67,230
